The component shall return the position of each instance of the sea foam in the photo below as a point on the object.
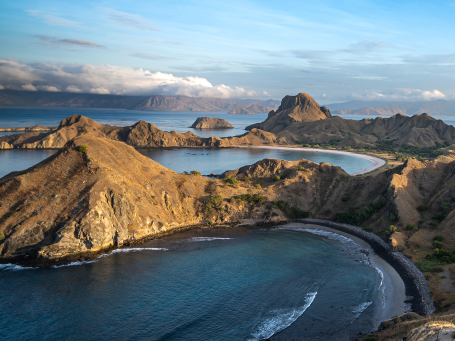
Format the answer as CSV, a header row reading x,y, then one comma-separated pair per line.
x,y
14,267
206,239
280,319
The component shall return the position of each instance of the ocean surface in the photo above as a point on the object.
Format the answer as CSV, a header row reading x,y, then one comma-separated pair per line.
x,y
209,285
204,160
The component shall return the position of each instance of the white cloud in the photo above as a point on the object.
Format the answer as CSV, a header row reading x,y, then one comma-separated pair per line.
x,y
129,20
109,79
402,95
28,87
52,18
75,42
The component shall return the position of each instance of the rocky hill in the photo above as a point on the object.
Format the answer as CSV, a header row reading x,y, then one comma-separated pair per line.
x,y
300,108
211,123
241,111
259,109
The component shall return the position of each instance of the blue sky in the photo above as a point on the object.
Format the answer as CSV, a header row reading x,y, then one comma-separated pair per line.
x,y
334,50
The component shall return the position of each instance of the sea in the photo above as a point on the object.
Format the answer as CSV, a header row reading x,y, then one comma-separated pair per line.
x,y
207,284
211,285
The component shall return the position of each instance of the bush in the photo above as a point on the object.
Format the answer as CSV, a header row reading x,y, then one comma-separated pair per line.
x,y
213,202
433,223
2,235
438,238
246,179
353,217
82,148
345,198
301,168
440,216
422,208
391,229
193,172
437,245
185,172
321,163
232,181
251,198
347,148
276,178
410,227
258,186
291,211
429,265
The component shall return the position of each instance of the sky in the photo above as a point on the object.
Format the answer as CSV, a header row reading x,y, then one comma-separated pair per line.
x,y
334,50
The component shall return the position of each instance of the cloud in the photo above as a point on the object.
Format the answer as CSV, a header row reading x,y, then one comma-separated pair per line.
x,y
52,18
402,95
151,56
435,59
366,46
109,79
73,42
129,20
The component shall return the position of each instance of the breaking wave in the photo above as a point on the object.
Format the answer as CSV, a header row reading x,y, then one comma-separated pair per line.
x,y
280,319
135,249
206,239
14,267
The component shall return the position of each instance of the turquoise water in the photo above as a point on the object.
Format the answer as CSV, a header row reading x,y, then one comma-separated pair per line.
x,y
248,287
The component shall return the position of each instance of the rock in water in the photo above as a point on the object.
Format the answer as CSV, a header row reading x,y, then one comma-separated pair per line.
x,y
211,123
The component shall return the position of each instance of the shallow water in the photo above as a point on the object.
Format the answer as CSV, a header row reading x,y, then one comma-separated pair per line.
x,y
248,287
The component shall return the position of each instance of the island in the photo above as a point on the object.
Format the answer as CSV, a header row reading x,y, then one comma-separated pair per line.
x,y
211,123
240,111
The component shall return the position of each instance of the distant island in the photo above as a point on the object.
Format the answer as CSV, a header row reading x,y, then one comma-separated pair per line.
x,y
251,110
240,111
148,103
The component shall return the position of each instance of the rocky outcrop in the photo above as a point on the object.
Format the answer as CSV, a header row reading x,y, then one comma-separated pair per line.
x,y
300,108
397,241
211,123
241,111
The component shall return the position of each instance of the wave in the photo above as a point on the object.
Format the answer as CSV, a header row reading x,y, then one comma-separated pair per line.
x,y
353,246
14,267
135,249
206,239
74,263
281,319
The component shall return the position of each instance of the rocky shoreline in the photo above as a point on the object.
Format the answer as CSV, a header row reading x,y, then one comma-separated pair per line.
x,y
414,280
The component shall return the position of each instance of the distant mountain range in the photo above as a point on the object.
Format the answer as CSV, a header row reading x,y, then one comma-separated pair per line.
x,y
437,107
149,103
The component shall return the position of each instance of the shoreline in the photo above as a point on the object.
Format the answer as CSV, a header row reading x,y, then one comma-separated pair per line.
x,y
377,162
394,293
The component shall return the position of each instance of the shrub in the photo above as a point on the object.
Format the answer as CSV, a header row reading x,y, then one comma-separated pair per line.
x,y
391,229
429,265
251,198
2,235
345,198
353,217
193,172
366,229
371,337
422,208
258,186
437,245
445,206
276,178
82,148
321,163
410,227
16,228
316,146
301,168
347,148
246,179
433,223
440,216
421,221
438,238
185,172
291,211
232,181
213,202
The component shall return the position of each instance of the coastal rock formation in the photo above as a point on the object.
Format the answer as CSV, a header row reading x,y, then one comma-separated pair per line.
x,y
259,109
140,135
211,123
300,108
241,111
397,241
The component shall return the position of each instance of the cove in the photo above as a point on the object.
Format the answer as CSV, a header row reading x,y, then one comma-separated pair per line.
x,y
199,285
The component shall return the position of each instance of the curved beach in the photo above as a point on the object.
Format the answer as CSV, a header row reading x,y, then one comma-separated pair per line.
x,y
377,162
